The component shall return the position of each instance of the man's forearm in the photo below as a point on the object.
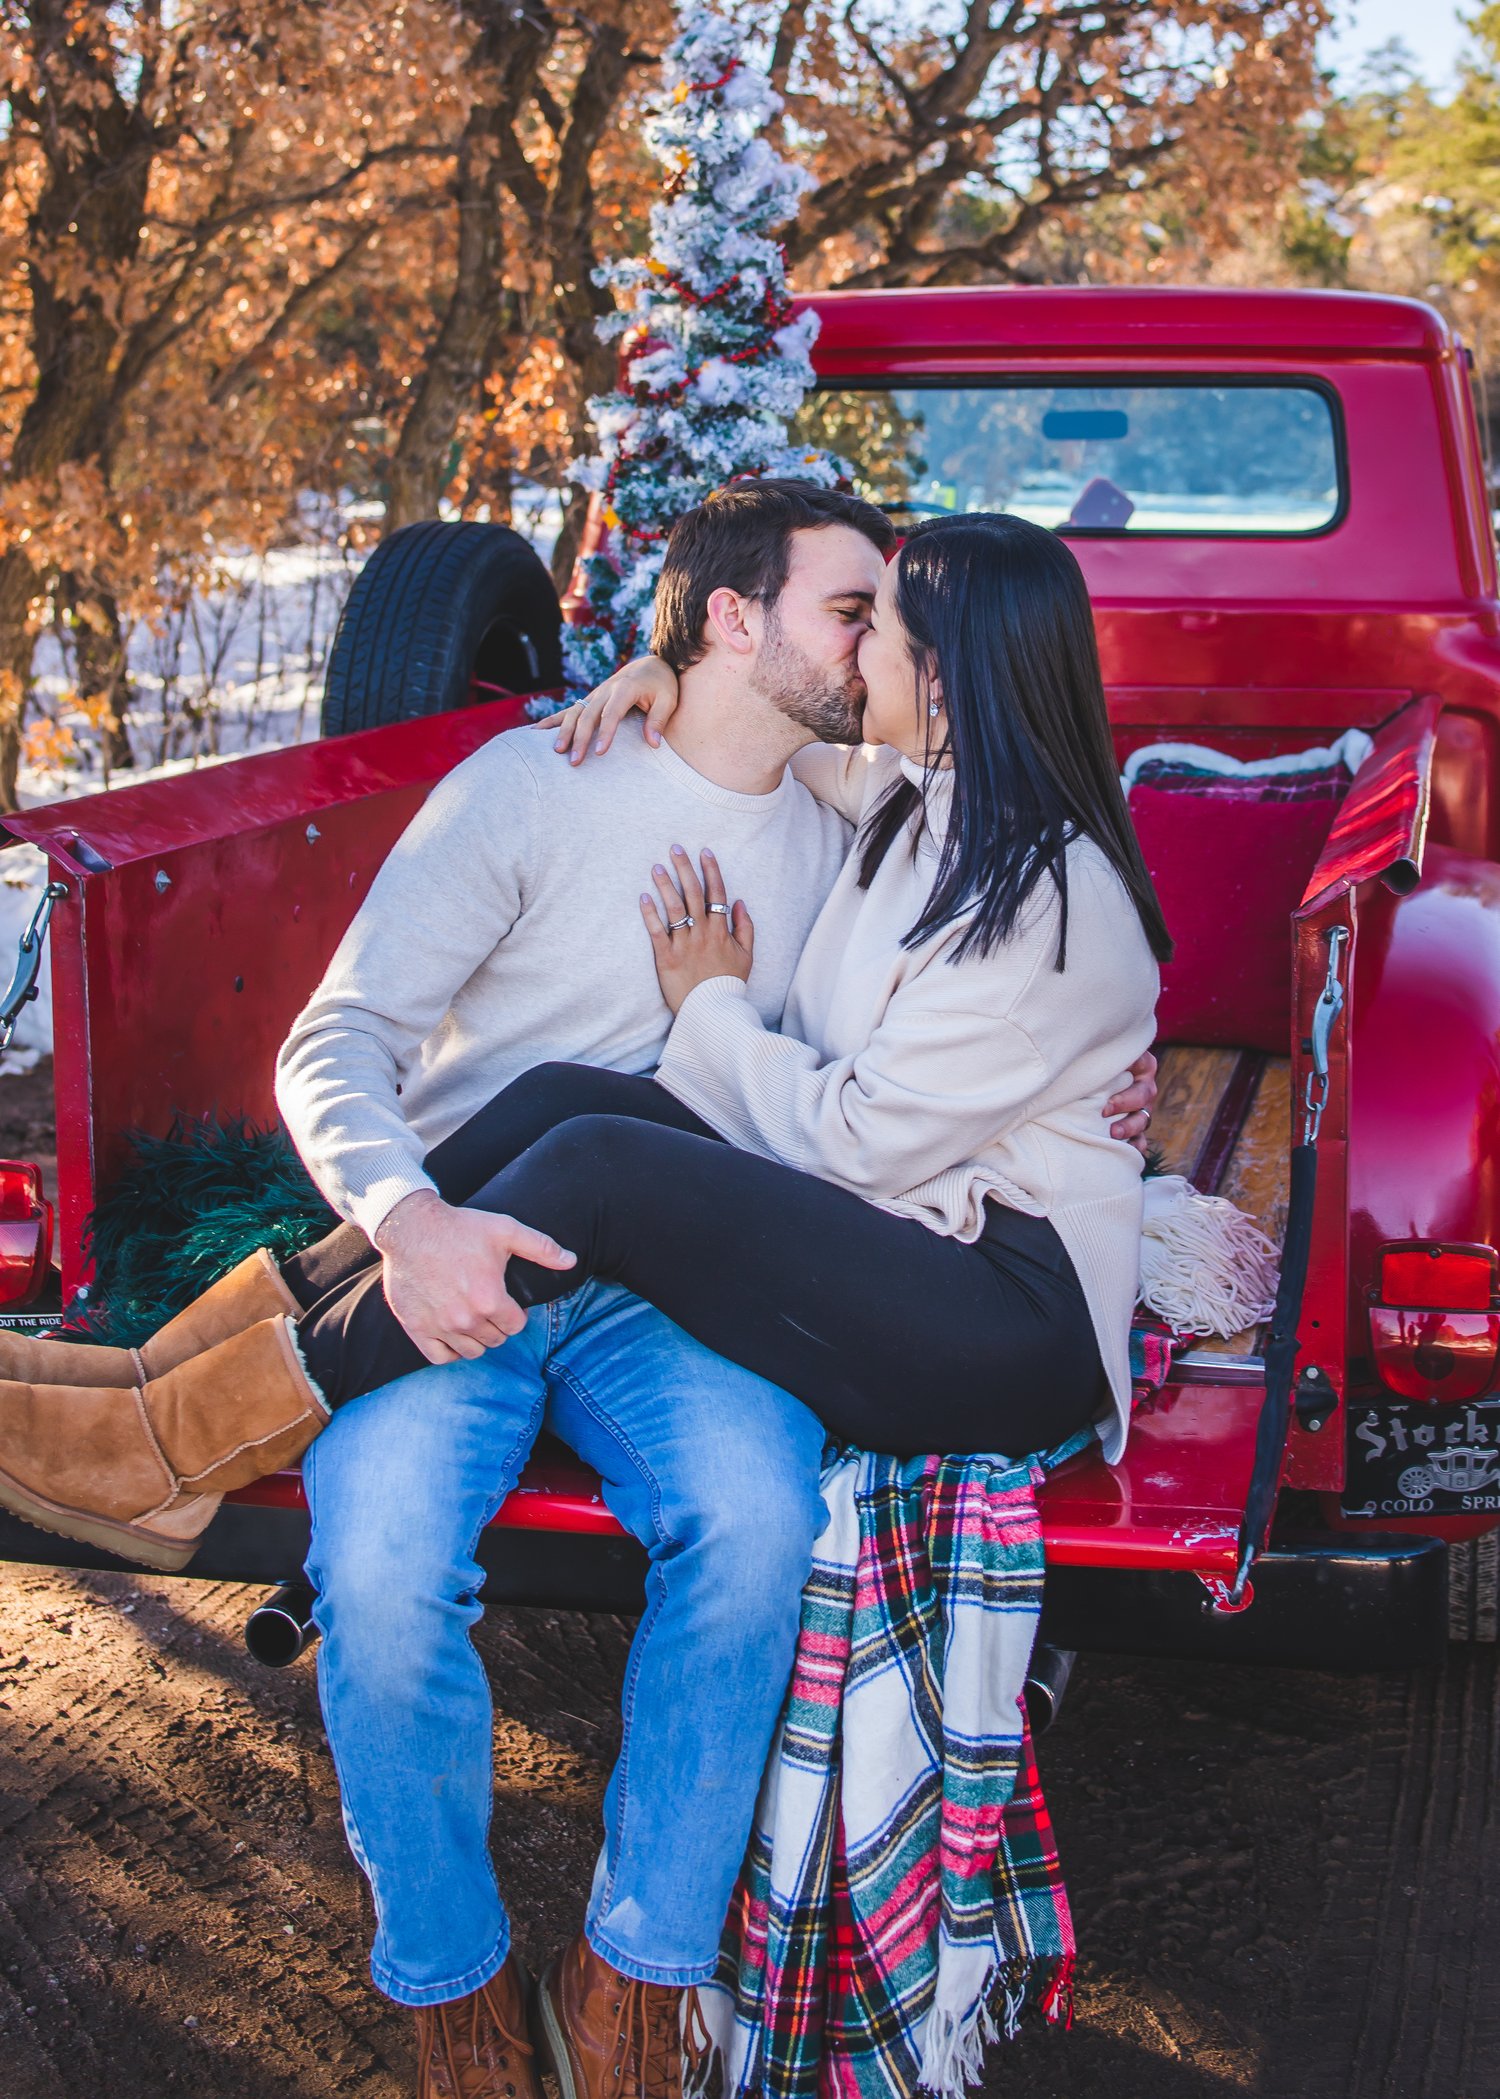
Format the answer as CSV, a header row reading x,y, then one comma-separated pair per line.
x,y
336,1091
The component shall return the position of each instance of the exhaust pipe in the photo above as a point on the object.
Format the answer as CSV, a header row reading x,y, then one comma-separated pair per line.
x,y
1046,1681
281,1628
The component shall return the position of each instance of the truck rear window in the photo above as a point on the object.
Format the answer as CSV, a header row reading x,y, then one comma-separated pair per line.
x,y
1151,457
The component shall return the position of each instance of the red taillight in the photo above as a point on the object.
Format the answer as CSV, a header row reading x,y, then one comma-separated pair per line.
x,y
25,1233
1435,1327
1438,1278
1435,1355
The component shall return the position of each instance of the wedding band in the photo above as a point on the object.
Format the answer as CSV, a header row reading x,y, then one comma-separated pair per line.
x,y
722,909
675,925
1147,1113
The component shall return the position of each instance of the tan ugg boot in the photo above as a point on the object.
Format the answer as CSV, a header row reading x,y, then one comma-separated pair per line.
x,y
30,1359
252,1291
140,1469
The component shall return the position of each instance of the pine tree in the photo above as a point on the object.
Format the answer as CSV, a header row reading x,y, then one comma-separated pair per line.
x,y
715,365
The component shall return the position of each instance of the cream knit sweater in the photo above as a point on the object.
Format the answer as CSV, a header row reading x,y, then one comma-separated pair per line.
x,y
926,1085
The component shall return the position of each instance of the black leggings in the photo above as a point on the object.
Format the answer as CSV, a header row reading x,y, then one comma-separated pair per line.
x,y
898,1338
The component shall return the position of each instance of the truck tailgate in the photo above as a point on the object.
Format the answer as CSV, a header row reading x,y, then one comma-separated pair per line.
x,y
1176,1497
1174,1500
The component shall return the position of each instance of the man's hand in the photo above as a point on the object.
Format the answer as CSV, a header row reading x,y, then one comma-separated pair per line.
x,y
445,1273
1134,1103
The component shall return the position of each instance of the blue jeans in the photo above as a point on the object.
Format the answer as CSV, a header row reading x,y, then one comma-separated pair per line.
x,y
715,1471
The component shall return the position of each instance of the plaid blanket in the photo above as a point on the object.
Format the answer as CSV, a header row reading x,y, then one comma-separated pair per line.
x,y
901,1903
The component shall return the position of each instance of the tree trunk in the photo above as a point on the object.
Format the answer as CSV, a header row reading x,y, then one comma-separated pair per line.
x,y
19,583
90,207
103,673
569,227
570,535
511,47
54,431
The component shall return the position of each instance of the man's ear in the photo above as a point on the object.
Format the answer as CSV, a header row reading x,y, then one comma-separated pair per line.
x,y
729,617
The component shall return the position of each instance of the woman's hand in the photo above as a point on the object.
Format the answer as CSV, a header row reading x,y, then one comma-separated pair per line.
x,y
645,682
694,934
1134,1104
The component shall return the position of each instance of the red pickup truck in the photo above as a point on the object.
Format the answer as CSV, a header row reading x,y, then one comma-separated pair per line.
x,y
1281,506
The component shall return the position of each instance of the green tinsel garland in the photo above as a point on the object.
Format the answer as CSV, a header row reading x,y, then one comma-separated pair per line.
x,y
184,1211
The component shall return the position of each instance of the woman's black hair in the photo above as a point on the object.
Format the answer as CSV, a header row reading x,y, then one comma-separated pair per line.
x,y
996,609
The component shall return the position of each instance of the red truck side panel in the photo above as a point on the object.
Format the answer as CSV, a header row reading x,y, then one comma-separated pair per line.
x,y
201,913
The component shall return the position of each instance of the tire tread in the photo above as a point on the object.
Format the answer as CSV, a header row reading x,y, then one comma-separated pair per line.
x,y
411,617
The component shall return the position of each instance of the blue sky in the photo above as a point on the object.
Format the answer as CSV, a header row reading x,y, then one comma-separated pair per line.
x,y
1430,28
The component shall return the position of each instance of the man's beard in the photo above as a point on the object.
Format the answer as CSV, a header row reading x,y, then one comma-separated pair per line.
x,y
829,702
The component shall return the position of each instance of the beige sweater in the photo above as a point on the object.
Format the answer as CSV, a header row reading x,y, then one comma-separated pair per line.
x,y
505,930
924,1085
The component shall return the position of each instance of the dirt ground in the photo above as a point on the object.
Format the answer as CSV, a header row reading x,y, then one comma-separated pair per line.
x,y
1284,1884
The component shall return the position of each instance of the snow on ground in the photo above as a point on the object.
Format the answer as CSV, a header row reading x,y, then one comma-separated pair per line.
x,y
238,670
23,872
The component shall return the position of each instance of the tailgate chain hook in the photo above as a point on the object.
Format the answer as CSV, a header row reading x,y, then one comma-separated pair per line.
x,y
1325,1013
23,987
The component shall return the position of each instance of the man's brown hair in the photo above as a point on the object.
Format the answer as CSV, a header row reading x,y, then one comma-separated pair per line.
x,y
739,538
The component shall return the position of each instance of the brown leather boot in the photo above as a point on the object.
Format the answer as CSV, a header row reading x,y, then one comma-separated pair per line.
x,y
250,1292
603,2035
479,2046
140,1469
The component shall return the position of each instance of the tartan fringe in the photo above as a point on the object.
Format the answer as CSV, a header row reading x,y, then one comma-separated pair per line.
x,y
1058,2004
1206,1268
901,1904
953,2049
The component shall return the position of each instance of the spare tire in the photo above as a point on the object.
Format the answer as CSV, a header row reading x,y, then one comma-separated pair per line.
x,y
435,607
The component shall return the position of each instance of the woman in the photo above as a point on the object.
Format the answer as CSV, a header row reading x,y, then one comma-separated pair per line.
x,y
918,1225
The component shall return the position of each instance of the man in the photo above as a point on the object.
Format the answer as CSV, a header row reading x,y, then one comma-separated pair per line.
x,y
503,932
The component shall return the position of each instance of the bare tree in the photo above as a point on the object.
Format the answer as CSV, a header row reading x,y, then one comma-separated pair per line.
x,y
949,153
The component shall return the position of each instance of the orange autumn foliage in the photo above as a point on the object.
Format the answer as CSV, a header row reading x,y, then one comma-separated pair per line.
x,y
255,248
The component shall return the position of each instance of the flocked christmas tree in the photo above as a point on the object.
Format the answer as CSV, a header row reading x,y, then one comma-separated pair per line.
x,y
717,366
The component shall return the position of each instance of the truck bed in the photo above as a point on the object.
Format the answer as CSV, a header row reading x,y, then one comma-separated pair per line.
x,y
1224,1120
